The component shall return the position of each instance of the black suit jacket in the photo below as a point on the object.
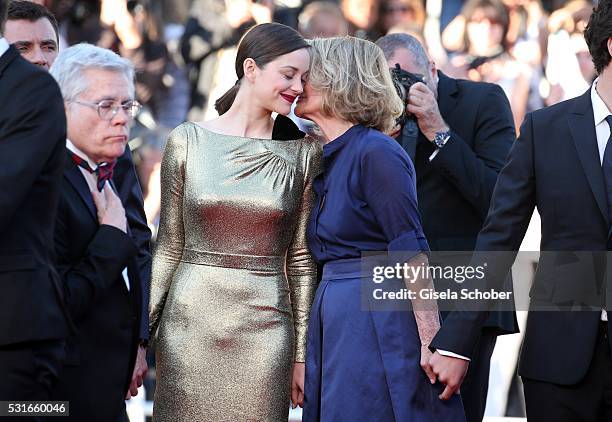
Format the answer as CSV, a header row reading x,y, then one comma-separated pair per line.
x,y
555,166
130,193
455,188
32,144
90,259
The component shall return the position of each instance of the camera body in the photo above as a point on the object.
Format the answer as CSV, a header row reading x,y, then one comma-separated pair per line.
x,y
403,80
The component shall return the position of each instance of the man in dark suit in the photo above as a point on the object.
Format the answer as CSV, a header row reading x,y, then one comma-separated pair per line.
x,y
96,256
33,323
561,163
465,133
33,30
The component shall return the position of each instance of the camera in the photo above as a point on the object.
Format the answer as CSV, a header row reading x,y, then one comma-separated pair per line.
x,y
403,80
409,128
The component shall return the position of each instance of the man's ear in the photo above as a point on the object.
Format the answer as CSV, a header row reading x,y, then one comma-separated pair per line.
x,y
250,69
610,46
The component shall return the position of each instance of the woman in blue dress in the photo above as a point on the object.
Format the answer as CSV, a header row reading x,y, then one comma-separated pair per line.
x,y
364,364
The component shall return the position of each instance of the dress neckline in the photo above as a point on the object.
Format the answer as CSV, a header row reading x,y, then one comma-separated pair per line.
x,y
284,130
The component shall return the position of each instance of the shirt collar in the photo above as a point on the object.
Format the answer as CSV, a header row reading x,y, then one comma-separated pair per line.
x,y
4,46
331,147
92,164
600,109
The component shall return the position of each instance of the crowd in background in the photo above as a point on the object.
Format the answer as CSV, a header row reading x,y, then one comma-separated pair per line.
x,y
184,50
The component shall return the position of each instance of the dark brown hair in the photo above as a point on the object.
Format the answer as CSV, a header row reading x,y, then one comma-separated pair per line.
x,y
262,43
597,33
3,7
495,10
29,11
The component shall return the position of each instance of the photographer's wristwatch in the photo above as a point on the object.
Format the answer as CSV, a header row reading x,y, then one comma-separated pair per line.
x,y
441,138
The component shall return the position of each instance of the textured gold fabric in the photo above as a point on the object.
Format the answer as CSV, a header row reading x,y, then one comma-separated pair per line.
x,y
233,280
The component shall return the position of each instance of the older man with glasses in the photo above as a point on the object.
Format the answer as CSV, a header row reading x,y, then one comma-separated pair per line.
x,y
96,254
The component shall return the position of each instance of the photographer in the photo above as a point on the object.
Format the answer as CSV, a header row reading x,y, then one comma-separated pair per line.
x,y
465,133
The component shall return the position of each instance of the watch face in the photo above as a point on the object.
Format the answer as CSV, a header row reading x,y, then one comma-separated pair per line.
x,y
441,138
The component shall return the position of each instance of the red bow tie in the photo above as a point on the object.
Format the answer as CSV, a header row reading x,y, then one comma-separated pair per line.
x,y
103,173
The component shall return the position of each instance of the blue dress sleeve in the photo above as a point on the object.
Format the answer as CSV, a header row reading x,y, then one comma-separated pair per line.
x,y
389,185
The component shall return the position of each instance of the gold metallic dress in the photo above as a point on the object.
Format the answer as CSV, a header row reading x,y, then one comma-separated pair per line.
x,y
233,280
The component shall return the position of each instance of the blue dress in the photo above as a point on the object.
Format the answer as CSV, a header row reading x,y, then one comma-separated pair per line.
x,y
364,365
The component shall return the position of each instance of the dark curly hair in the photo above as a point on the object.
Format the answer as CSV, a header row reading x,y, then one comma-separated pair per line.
x,y
597,33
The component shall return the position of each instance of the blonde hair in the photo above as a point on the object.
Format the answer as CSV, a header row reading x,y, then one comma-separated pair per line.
x,y
353,77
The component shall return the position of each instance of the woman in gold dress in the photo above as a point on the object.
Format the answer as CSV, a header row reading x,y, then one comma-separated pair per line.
x,y
233,280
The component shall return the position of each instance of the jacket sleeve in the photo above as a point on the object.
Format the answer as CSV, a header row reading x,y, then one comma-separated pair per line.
x,y
28,139
473,171
100,266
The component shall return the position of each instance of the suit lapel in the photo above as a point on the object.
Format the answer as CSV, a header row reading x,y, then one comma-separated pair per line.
x,y
447,94
582,128
78,182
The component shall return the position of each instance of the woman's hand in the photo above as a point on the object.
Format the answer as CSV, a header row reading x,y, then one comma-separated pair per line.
x,y
297,384
425,365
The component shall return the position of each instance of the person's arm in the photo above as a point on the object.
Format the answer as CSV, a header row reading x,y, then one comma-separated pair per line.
x,y
389,187
102,262
473,171
28,138
512,205
171,235
302,273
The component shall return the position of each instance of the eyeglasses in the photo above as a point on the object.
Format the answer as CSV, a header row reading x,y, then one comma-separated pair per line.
x,y
107,110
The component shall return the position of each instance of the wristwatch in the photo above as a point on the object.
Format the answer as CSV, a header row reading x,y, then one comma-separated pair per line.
x,y
441,138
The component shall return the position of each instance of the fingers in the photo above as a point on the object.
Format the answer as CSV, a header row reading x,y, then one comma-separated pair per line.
x,y
429,372
294,395
419,88
448,392
97,197
133,389
108,192
99,203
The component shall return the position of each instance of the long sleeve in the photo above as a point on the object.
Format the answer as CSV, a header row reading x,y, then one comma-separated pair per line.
x,y
171,235
301,267
98,269
389,186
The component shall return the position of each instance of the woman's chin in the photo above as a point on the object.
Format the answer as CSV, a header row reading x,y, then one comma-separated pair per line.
x,y
282,109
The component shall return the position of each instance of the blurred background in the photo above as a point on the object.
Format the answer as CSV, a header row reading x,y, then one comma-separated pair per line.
x,y
184,54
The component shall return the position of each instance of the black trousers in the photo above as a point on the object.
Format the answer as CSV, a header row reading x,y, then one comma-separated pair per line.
x,y
588,401
29,371
476,384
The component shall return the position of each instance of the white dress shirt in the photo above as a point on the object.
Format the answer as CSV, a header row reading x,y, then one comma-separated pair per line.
x,y
92,182
602,130
4,46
